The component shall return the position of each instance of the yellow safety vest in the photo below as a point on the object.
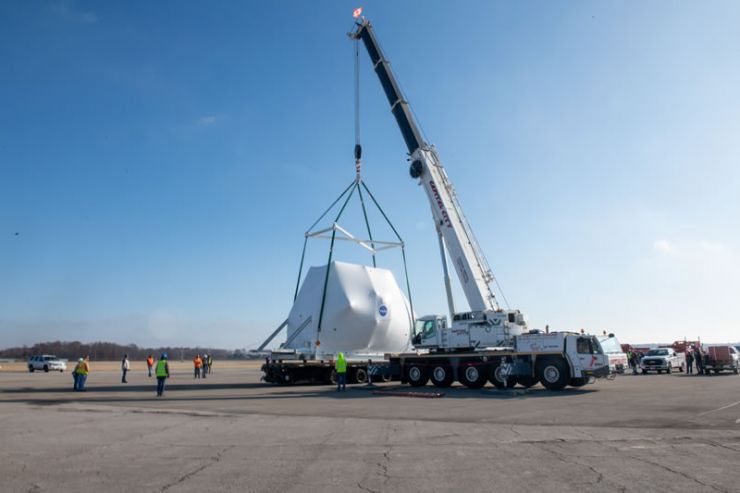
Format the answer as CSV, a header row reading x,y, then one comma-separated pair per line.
x,y
341,365
161,370
81,368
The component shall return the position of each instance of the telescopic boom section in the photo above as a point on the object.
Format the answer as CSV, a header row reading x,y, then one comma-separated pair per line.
x,y
399,106
466,256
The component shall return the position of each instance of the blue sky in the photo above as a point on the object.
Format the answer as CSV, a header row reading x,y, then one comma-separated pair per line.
x,y
159,162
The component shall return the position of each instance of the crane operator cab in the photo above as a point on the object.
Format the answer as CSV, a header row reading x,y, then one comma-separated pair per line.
x,y
427,331
469,330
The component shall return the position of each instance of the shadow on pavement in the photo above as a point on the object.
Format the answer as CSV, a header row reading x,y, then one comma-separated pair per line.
x,y
93,394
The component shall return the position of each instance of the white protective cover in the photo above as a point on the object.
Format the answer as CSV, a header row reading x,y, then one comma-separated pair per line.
x,y
365,313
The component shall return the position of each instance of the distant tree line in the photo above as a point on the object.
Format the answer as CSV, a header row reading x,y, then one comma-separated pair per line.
x,y
109,351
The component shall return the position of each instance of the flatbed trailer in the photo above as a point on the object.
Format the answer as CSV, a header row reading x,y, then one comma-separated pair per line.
x,y
288,372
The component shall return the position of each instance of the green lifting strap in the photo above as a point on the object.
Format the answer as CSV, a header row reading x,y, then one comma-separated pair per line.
x,y
305,241
403,246
328,263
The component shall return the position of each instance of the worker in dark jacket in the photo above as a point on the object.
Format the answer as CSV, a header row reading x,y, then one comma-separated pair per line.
x,y
699,359
689,362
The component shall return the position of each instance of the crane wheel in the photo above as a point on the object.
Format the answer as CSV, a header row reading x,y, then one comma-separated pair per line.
x,y
526,381
578,382
442,376
361,375
417,375
553,373
501,382
473,376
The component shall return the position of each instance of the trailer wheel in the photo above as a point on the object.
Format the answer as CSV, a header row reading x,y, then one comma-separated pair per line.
x,y
644,372
472,376
501,382
553,374
417,375
526,381
442,376
361,375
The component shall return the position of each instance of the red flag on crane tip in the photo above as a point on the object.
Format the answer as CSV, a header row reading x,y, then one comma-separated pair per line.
x,y
357,12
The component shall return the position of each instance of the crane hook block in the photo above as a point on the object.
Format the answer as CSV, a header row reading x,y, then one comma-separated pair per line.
x,y
416,169
358,151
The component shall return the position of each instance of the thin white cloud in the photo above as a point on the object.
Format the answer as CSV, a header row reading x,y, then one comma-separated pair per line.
x,y
664,247
701,256
207,120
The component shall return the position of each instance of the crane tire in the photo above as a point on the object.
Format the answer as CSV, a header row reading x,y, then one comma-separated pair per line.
x,y
578,382
417,375
473,376
553,373
500,382
442,376
361,375
526,381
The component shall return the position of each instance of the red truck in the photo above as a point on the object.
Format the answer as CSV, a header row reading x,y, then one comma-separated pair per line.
x,y
719,358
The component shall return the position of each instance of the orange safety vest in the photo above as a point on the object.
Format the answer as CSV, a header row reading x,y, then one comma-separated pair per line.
x,y
198,362
150,361
82,368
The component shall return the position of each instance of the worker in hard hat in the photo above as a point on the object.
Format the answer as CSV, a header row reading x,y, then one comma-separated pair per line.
x,y
162,372
340,367
82,370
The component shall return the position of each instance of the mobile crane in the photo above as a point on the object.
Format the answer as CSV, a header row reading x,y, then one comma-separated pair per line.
x,y
486,343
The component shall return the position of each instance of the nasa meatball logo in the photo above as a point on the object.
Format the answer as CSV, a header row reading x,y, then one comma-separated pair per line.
x,y
383,310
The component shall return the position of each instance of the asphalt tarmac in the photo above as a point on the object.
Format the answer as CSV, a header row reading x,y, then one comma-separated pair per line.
x,y
232,433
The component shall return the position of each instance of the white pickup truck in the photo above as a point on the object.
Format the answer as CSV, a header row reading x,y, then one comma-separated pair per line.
x,y
662,360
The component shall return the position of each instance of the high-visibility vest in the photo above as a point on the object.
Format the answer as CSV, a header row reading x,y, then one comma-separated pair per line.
x,y
341,365
198,362
161,370
82,368
150,362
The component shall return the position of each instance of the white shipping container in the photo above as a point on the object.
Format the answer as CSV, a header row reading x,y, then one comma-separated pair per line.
x,y
365,313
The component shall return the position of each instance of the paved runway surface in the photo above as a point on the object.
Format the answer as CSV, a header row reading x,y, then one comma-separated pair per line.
x,y
231,433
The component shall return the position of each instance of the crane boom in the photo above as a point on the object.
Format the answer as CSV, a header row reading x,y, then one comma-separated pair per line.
x,y
470,265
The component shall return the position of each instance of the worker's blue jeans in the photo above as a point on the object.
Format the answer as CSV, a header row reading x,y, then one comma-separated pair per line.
x,y
160,385
150,370
81,379
341,381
